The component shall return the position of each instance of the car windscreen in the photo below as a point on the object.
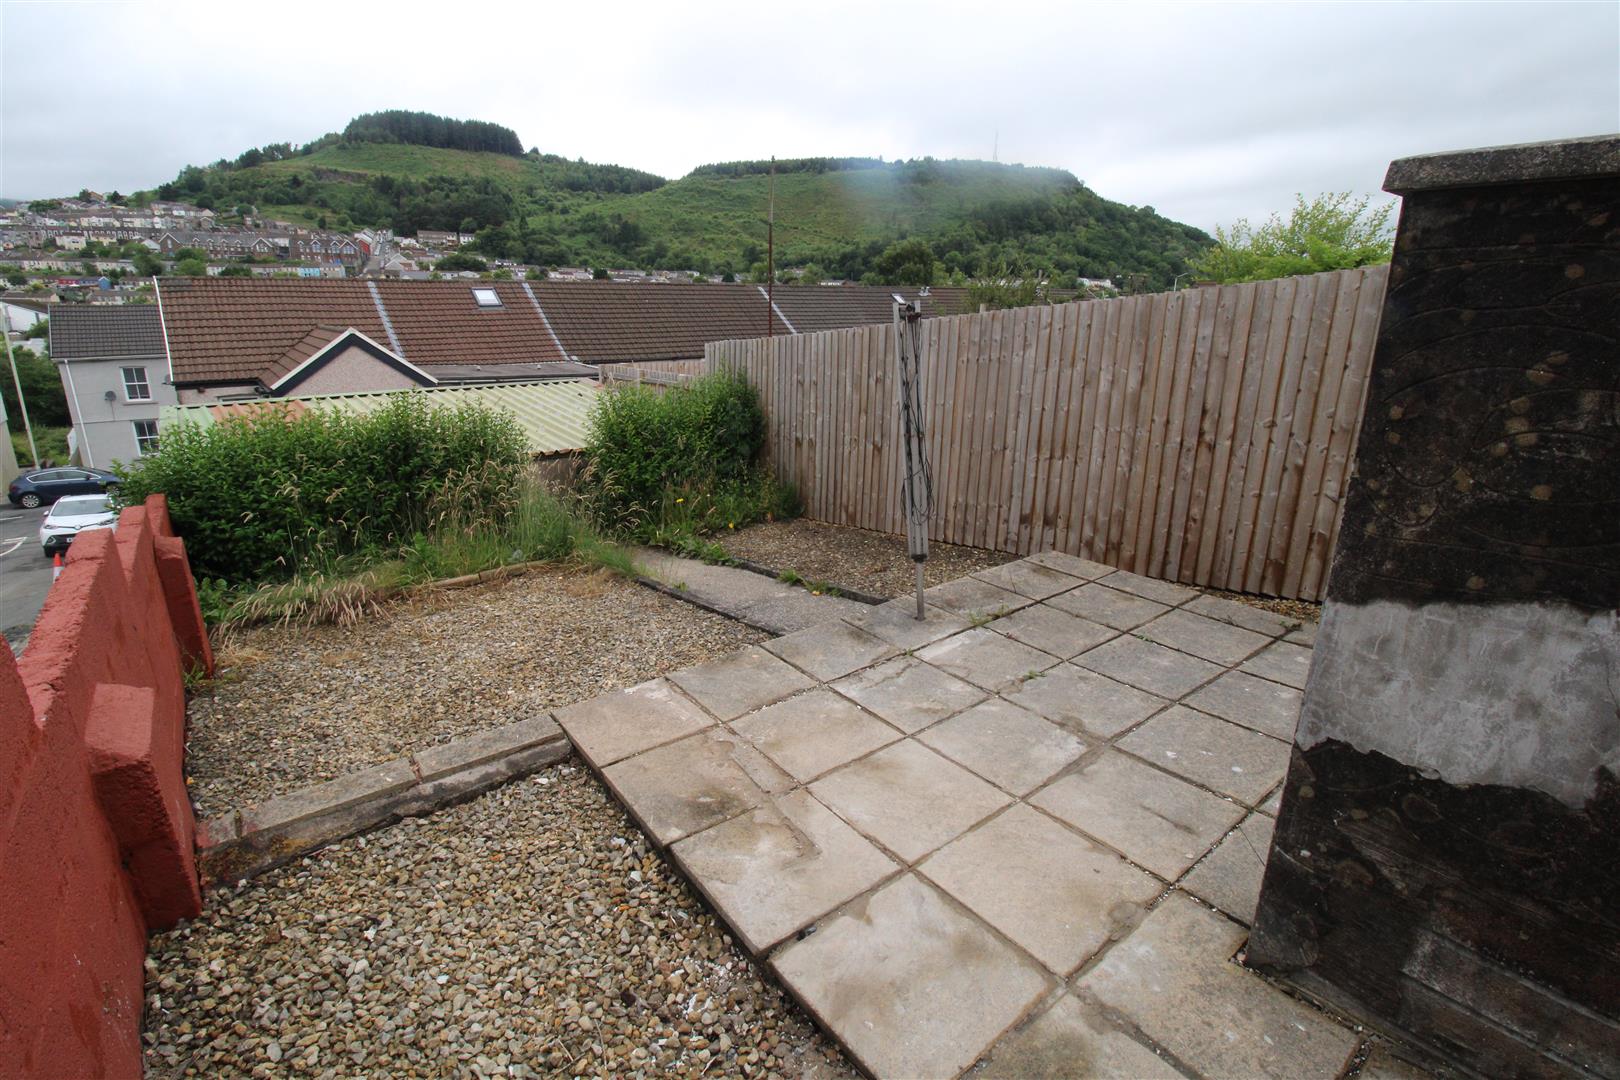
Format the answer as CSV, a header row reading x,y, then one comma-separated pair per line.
x,y
80,507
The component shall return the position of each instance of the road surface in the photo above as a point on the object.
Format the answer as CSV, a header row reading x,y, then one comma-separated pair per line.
x,y
25,573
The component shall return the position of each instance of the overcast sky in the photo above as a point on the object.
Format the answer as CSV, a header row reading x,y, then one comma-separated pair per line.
x,y
1207,112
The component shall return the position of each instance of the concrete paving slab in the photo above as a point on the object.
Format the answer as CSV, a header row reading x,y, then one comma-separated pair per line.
x,y
831,650
780,867
1008,746
611,727
1213,640
910,984
1110,607
908,693
970,597
1148,666
1273,803
687,786
1305,635
1237,613
1230,759
986,658
1154,819
741,682
1282,662
908,798
1229,877
896,622
1050,630
1163,591
1057,894
1174,980
1030,579
1251,701
814,732
1085,702
1073,1040
1072,565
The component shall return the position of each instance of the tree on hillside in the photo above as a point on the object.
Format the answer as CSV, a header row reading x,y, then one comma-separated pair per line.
x,y
146,263
906,262
458,260
1334,231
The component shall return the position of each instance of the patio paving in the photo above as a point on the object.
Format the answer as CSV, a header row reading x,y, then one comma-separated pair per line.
x,y
1026,833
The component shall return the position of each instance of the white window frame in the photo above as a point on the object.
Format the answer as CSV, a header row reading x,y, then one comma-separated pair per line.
x,y
494,298
145,443
140,381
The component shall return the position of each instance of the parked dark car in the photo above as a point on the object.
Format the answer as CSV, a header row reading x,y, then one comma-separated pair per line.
x,y
47,485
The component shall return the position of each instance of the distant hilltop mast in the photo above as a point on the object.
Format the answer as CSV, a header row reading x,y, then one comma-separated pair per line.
x,y
995,147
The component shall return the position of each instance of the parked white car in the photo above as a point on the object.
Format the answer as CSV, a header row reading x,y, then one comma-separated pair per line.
x,y
73,515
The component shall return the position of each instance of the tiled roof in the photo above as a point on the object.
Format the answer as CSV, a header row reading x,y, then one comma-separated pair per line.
x,y
604,322
224,330
311,343
235,329
439,322
554,415
238,329
103,332
810,308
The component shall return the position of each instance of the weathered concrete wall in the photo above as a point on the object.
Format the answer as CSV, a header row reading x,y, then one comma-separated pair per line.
x,y
96,830
1447,858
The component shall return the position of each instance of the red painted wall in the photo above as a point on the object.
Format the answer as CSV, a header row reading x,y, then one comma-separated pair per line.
x,y
95,825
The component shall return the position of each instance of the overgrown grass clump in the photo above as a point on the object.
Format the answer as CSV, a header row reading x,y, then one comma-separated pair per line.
x,y
263,497
670,467
536,525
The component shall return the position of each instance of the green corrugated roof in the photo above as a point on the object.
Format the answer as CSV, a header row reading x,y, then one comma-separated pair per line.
x,y
554,415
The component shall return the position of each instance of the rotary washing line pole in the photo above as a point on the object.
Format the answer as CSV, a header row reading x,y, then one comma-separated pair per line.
x,y
917,486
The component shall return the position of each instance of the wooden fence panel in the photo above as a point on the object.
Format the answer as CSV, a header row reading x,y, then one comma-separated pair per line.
x,y
1203,436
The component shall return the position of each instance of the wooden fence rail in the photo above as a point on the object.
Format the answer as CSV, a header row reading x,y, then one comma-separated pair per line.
x,y
1202,436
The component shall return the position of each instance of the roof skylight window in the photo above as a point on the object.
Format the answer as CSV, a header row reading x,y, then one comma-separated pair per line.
x,y
486,297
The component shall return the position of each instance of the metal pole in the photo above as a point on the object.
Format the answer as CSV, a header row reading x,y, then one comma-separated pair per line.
x,y
16,381
770,257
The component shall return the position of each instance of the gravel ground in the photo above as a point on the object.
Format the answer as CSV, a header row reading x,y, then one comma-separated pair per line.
x,y
531,932
292,707
876,562
872,562
1299,610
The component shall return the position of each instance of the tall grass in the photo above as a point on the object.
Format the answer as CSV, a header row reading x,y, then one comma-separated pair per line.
x,y
462,538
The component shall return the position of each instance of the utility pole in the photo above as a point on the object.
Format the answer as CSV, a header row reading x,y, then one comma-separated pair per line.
x,y
770,256
16,380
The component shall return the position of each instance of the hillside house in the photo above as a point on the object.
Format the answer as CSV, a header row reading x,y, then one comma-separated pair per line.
x,y
114,371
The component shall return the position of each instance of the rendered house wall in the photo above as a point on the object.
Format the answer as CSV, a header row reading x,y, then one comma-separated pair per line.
x,y
1446,860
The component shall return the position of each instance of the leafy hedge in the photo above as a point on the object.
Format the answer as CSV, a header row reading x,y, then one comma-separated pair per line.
x,y
254,498
645,445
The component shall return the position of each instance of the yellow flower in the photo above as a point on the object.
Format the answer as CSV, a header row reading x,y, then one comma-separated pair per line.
x,y
679,501
731,525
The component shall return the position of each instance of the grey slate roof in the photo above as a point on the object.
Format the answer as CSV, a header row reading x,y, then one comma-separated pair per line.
x,y
105,332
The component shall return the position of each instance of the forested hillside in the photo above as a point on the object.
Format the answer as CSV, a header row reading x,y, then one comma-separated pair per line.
x,y
849,218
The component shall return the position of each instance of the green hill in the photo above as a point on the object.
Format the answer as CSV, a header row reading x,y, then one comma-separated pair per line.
x,y
837,216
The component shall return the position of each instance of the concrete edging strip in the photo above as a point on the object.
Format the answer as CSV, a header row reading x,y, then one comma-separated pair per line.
x,y
247,842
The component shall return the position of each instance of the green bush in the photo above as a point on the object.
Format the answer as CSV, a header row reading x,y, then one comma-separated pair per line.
x,y
694,447
255,498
